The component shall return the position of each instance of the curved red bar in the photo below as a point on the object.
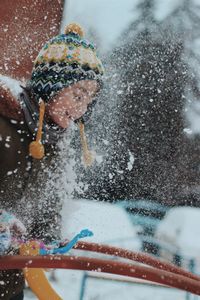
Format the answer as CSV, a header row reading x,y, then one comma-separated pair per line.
x,y
135,256
100,265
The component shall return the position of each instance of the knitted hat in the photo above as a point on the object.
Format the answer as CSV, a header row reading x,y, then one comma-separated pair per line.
x,y
64,60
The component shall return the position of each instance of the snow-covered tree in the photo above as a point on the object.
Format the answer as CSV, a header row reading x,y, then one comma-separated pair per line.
x,y
155,67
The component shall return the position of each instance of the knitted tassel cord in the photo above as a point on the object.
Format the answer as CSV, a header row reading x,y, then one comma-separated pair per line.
x,y
88,157
36,149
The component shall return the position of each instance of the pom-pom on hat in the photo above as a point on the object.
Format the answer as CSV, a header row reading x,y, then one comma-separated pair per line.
x,y
64,60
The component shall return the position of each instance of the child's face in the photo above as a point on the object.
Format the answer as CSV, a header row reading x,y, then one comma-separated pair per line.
x,y
71,102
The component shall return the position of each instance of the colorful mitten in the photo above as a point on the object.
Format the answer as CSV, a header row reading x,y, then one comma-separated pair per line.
x,y
10,227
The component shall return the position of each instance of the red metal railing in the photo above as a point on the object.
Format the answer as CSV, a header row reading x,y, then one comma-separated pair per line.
x,y
159,272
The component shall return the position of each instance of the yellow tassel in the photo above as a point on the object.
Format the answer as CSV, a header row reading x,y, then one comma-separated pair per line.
x,y
88,157
36,149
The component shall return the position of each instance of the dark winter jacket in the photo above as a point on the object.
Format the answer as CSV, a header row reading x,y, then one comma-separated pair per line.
x,y
26,191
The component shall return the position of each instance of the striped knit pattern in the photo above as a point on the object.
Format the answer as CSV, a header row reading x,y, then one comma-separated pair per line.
x,y
65,59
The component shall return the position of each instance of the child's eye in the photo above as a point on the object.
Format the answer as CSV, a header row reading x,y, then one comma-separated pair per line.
x,y
77,97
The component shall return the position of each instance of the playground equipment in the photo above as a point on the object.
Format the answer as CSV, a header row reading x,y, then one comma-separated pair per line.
x,y
156,271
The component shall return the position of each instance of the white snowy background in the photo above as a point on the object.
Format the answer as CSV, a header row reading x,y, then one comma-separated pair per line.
x,y
111,224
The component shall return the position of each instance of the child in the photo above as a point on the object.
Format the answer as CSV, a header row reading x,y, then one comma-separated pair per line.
x,y
67,75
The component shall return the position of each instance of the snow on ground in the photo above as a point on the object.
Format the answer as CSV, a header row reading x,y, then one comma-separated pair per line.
x,y
181,228
128,291
109,223
69,287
